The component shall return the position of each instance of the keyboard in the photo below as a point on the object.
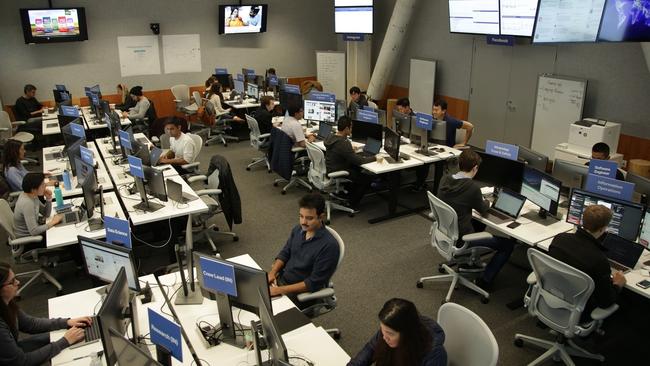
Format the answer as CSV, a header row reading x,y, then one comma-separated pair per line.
x,y
92,333
618,267
366,154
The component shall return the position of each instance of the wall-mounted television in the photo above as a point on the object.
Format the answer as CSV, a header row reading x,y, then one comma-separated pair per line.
x,y
625,21
356,17
242,19
54,25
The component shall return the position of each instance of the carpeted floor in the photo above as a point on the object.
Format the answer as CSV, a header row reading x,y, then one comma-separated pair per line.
x,y
381,261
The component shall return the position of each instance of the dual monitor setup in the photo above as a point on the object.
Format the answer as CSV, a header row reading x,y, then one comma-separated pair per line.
x,y
229,283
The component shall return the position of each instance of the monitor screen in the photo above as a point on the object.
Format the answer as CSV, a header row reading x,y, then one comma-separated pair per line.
x,y
54,25
509,202
112,313
252,90
391,143
625,20
352,2
316,110
362,130
290,99
353,19
401,123
533,158
240,19
127,353
541,189
641,184
517,17
622,251
573,21
474,16
104,260
572,175
500,172
626,216
644,236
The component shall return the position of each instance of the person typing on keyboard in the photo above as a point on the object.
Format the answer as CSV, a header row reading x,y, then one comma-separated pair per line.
x,y
583,251
37,349
461,193
32,208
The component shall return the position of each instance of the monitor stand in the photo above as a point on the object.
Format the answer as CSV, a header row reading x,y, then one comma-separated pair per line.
x,y
228,326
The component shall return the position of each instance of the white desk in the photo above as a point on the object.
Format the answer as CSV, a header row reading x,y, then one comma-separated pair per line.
x,y
57,166
62,235
51,124
92,123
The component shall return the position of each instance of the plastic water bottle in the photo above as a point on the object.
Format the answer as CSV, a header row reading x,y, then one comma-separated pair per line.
x,y
67,184
58,195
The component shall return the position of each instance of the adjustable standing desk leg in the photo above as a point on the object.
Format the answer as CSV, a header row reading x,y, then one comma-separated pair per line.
x,y
439,166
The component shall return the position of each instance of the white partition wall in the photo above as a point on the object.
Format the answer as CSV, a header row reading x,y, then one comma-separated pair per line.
x,y
422,82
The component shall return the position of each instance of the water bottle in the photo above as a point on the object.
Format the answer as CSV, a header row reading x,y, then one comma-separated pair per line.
x,y
58,195
67,184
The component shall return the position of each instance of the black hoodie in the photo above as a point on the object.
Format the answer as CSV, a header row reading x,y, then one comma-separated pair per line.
x,y
462,195
339,154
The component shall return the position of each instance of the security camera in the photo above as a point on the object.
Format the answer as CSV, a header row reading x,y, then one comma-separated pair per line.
x,y
155,28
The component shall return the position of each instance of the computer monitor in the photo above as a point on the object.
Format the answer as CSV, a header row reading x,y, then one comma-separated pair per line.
x,y
127,353
391,143
83,170
571,175
74,152
438,133
66,131
66,120
289,99
225,80
341,109
112,120
252,90
644,235
626,218
103,261
272,337
118,310
249,282
533,158
239,86
622,251
61,96
541,189
321,111
140,150
324,130
155,183
88,188
145,204
500,172
401,123
641,186
362,130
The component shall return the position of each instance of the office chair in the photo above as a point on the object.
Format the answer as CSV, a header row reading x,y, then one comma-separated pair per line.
x,y
558,297
259,141
325,297
40,255
461,326
327,183
193,168
8,128
444,235
142,124
287,161
210,196
217,130
181,94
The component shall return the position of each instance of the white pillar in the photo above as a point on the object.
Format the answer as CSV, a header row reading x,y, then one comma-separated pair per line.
x,y
358,64
645,46
391,47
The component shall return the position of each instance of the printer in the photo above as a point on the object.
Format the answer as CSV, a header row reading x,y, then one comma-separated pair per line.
x,y
584,134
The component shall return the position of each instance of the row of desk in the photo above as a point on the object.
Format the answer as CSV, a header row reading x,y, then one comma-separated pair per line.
x,y
51,124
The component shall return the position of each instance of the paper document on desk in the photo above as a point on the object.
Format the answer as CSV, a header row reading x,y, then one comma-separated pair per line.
x,y
487,190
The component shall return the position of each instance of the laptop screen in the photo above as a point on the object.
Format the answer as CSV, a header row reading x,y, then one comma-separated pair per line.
x,y
324,130
509,203
622,251
372,146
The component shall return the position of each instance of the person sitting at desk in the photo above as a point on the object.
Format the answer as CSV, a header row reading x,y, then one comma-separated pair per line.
x,y
583,251
37,349
340,155
357,101
13,169
208,85
461,193
141,106
291,126
30,110
600,151
453,124
404,338
264,114
309,258
181,147
33,207
127,102
216,97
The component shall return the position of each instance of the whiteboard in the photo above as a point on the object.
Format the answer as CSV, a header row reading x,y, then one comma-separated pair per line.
x,y
330,72
182,53
422,82
559,103
139,55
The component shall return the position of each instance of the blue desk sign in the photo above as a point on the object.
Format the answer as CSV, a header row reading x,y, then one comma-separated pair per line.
x,y
249,71
65,95
135,166
94,98
60,87
354,37
77,130
118,231
603,168
424,121
367,116
368,108
218,276
502,150
240,77
501,40
610,187
87,155
291,89
220,71
272,80
321,97
125,139
69,111
166,333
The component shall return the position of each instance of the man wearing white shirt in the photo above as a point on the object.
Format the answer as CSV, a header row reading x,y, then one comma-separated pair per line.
x,y
291,126
182,147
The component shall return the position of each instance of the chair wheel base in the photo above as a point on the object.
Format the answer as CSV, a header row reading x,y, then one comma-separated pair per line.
x,y
235,238
518,342
441,270
269,171
275,184
336,336
485,300
59,293
419,284
327,222
248,169
283,192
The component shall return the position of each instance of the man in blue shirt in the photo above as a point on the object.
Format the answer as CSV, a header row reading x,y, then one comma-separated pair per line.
x,y
453,124
310,256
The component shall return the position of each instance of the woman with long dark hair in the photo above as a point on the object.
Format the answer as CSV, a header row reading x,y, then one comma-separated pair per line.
x,y
405,338
13,169
37,349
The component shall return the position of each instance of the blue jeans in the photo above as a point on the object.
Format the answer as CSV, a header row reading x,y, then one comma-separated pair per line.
x,y
503,247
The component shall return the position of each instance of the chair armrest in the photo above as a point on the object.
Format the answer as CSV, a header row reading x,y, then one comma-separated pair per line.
x,y
339,174
320,294
264,136
29,161
477,236
4,128
531,279
600,313
208,192
177,100
26,240
297,149
155,139
197,178
190,166
15,194
18,123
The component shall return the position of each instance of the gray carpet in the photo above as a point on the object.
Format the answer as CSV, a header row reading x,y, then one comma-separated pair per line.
x,y
381,261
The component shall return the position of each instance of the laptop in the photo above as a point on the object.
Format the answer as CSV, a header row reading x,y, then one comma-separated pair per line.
x,y
371,148
324,130
72,217
506,206
156,153
621,253
175,192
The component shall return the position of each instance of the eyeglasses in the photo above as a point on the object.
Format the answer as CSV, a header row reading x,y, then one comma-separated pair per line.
x,y
11,282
